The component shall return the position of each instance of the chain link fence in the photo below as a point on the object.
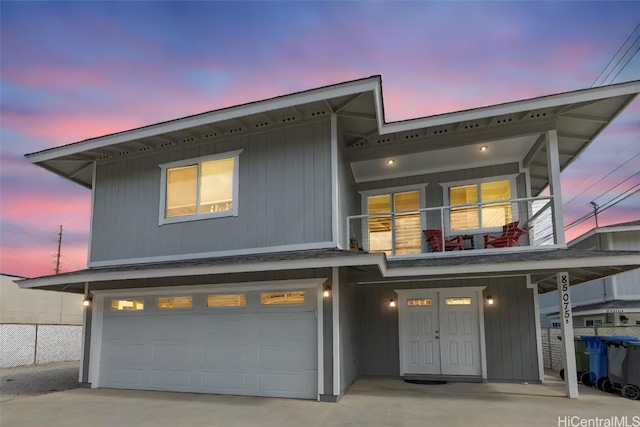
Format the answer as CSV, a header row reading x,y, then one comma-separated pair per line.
x,y
552,345
26,344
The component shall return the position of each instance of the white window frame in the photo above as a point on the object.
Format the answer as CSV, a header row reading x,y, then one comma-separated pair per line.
x,y
197,162
447,218
422,193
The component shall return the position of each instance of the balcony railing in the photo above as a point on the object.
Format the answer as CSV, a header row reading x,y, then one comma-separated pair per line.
x,y
479,227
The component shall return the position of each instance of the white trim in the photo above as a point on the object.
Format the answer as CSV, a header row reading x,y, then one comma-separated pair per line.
x,y
483,338
92,210
420,172
543,102
555,186
99,300
536,317
217,254
218,287
95,346
335,312
566,329
604,230
446,203
397,189
335,199
84,336
417,292
197,161
280,102
364,206
320,320
435,272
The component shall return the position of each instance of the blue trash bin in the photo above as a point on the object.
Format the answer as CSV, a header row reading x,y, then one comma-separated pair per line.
x,y
598,361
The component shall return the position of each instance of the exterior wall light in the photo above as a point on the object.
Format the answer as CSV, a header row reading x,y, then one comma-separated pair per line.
x,y
391,162
392,303
86,302
489,300
484,148
327,291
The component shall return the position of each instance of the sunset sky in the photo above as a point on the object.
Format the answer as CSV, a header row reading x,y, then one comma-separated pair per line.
x,y
75,70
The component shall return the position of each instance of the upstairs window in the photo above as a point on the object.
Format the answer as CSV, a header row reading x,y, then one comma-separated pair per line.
x,y
206,187
493,209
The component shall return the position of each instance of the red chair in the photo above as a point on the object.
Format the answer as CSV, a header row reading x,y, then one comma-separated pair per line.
x,y
510,236
434,237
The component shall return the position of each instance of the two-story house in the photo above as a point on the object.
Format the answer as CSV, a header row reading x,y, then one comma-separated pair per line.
x,y
609,301
289,246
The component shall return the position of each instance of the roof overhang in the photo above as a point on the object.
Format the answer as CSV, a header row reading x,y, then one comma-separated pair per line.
x,y
540,266
578,116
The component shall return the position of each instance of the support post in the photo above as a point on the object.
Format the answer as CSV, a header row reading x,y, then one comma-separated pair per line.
x,y
553,161
566,328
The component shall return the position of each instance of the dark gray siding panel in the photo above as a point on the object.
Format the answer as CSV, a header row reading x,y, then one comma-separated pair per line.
x,y
509,328
284,198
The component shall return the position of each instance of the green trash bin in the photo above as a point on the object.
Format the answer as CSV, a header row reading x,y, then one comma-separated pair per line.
x,y
582,357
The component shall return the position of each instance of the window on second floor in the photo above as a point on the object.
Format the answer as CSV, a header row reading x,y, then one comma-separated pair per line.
x,y
399,234
205,187
492,207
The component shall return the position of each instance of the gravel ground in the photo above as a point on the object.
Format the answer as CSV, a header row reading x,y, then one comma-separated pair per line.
x,y
34,380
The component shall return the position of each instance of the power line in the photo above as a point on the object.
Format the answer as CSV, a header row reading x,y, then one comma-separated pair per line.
x,y
595,83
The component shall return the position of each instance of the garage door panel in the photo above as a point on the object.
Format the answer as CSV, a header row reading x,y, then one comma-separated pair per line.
x,y
282,384
124,352
225,327
287,356
125,327
171,327
225,353
124,377
287,325
170,378
254,350
229,382
178,353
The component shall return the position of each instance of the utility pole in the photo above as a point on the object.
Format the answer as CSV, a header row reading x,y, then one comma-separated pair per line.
x,y
595,211
58,253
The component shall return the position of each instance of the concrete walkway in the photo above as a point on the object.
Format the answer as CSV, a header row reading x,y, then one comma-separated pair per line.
x,y
371,402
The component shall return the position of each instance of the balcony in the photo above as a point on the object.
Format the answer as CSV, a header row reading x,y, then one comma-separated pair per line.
x,y
474,228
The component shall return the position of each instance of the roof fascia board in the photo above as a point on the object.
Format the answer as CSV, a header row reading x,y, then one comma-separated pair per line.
x,y
522,267
200,270
583,95
349,88
603,230
516,267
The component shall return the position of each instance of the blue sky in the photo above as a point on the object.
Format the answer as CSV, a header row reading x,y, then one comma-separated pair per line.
x,y
75,70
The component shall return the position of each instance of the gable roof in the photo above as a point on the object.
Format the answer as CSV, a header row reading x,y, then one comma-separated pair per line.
x,y
579,116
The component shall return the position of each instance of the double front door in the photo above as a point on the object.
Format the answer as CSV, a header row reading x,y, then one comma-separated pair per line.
x,y
440,332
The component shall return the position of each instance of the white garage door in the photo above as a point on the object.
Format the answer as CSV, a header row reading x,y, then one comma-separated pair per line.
x,y
251,343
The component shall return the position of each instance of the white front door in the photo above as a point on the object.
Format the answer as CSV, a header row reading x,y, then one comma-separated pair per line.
x,y
440,332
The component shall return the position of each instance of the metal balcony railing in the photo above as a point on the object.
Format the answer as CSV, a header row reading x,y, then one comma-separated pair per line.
x,y
494,225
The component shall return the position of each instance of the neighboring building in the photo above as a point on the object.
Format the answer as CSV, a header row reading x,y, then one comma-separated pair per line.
x,y
220,256
38,326
610,301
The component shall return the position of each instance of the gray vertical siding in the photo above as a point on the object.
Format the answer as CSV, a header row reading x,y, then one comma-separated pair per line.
x,y
348,200
509,328
284,198
348,332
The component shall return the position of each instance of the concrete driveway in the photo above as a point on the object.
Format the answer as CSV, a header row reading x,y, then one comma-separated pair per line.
x,y
371,402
